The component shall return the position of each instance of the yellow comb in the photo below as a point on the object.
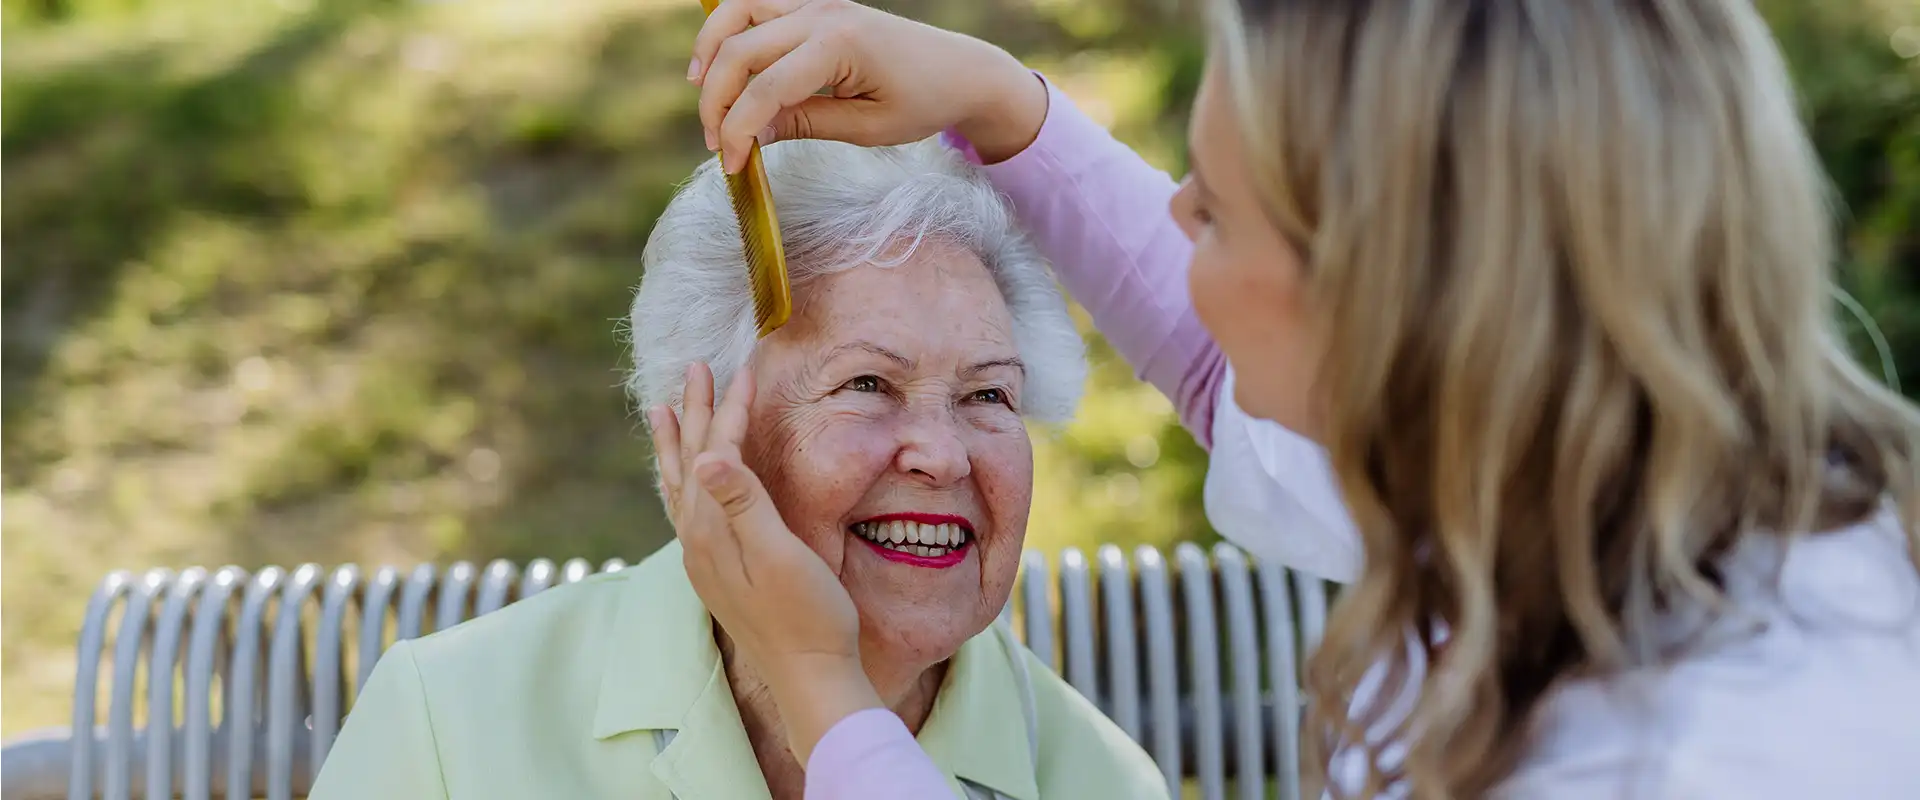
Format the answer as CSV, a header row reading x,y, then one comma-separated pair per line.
x,y
760,243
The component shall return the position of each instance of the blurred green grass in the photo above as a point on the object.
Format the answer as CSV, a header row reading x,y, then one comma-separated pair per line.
x,y
338,280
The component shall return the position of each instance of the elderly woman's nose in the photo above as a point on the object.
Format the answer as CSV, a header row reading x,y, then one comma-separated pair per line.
x,y
932,450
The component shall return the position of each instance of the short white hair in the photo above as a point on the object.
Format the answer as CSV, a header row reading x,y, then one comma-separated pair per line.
x,y
839,206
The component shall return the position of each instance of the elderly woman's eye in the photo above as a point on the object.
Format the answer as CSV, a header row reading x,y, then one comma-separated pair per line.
x,y
996,397
864,383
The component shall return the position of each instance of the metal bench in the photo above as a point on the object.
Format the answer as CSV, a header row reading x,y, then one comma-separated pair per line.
x,y
1197,658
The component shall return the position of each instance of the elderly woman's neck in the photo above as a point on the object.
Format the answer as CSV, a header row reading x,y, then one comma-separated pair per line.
x,y
907,691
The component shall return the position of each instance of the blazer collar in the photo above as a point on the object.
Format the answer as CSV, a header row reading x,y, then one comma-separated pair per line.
x,y
978,728
660,655
663,672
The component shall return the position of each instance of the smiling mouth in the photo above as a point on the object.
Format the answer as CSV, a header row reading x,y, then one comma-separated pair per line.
x,y
914,538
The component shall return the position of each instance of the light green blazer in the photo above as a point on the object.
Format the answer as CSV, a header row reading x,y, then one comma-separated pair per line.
x,y
565,695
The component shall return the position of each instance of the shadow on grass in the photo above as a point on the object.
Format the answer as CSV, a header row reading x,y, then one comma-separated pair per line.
x,y
103,156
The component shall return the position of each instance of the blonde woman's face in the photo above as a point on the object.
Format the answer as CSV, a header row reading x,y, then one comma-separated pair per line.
x,y
1248,284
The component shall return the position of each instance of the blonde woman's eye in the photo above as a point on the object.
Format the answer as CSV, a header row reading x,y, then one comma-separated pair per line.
x,y
864,383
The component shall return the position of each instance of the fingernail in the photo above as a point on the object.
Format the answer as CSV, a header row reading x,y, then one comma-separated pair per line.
x,y
689,371
768,136
712,145
693,68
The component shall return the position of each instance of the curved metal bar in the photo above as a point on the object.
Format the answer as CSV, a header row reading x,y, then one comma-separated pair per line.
x,y
161,671
128,642
1123,657
413,603
456,585
86,684
1311,593
1203,661
330,652
241,719
539,577
1243,653
1276,604
1076,623
286,668
377,598
203,659
1036,608
1163,683
496,587
34,768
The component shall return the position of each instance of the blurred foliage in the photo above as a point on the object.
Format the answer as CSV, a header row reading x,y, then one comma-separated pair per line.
x,y
337,280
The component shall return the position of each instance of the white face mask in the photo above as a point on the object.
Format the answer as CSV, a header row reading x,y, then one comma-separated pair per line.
x,y
1271,491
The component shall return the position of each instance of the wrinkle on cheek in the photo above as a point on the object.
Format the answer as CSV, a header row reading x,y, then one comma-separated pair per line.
x,y
773,426
812,472
997,423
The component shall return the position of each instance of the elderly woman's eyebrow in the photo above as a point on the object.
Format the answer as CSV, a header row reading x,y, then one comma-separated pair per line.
x,y
975,369
862,345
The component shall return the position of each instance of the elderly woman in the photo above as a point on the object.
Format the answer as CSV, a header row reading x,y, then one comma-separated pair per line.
x,y
889,437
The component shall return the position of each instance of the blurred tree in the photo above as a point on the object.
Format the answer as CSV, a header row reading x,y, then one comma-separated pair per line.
x,y
1861,96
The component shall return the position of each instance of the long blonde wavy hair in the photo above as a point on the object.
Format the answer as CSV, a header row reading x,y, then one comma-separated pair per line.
x,y
1573,259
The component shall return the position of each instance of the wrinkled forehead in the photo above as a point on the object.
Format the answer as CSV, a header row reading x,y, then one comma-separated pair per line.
x,y
940,302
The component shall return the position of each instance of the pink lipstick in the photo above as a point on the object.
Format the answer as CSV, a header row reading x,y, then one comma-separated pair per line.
x,y
896,537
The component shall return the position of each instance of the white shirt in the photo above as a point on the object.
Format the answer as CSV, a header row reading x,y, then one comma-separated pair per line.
x,y
1818,696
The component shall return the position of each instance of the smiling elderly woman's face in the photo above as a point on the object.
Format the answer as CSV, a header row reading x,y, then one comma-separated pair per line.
x,y
889,426
888,433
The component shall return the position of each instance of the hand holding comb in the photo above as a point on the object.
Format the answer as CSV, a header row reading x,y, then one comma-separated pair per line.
x,y
766,257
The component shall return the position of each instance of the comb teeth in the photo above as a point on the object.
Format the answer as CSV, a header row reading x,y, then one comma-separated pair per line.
x,y
760,244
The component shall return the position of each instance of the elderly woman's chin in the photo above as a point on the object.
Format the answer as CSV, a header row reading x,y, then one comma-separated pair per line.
x,y
919,609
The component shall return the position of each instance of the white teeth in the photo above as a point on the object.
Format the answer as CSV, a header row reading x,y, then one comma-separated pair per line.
x,y
913,537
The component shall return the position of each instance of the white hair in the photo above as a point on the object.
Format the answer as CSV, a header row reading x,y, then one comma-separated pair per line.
x,y
839,206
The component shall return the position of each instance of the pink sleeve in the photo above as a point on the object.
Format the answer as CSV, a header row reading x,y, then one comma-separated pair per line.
x,y
1099,213
871,754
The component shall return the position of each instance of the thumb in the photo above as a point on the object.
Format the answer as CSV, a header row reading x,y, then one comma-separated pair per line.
x,y
741,494
853,121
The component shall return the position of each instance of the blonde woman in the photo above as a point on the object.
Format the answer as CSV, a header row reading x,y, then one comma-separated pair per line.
x,y
1540,294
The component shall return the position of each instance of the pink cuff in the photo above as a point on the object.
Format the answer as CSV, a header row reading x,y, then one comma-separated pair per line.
x,y
869,755
953,139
